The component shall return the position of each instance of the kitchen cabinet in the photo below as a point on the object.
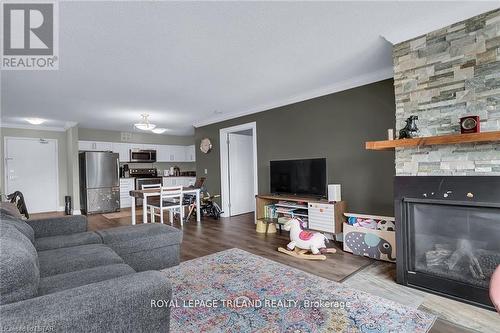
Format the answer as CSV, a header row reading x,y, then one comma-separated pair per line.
x,y
169,153
135,146
178,181
190,153
126,185
104,146
95,146
123,150
169,181
148,146
179,153
163,153
84,145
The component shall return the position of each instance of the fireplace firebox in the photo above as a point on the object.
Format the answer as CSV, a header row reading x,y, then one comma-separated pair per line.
x,y
448,234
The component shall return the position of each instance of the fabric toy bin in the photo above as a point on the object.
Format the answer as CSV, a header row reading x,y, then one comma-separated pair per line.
x,y
373,243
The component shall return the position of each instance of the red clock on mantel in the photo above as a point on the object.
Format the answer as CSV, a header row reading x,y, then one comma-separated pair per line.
x,y
469,124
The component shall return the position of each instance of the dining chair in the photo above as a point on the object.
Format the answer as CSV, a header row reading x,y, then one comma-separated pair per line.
x,y
149,207
171,199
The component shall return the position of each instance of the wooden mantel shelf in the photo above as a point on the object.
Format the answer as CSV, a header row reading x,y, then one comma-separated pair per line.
x,y
434,140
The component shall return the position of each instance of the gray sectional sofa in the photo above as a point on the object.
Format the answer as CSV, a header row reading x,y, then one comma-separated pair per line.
x,y
55,276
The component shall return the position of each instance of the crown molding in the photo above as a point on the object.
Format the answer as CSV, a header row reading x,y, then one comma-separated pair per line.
x,y
33,127
41,127
358,81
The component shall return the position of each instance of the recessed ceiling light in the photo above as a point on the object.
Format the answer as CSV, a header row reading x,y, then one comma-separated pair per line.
x,y
158,130
35,121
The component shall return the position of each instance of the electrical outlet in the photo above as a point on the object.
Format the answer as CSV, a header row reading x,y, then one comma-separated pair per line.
x,y
206,171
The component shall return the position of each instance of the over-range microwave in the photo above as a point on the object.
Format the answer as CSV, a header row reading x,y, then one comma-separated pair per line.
x,y
142,156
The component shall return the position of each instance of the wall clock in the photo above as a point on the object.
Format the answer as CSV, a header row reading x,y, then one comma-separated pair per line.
x,y
205,145
469,124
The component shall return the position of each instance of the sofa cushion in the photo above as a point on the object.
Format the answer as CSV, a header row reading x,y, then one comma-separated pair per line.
x,y
142,237
19,269
155,259
56,242
54,283
75,258
58,225
19,224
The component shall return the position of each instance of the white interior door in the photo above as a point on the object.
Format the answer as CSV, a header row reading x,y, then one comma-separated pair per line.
x,y
31,166
241,182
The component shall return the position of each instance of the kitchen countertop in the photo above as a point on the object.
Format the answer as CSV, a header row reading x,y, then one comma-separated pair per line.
x,y
179,176
159,176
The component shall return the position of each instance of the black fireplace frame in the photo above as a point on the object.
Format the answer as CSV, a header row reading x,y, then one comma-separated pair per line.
x,y
442,190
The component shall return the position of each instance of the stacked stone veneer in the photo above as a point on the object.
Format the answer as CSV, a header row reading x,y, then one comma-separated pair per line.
x,y
442,76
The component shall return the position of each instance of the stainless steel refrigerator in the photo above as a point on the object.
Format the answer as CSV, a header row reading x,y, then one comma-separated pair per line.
x,y
99,182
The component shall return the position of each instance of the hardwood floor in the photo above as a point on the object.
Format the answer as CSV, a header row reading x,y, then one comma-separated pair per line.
x,y
375,277
210,236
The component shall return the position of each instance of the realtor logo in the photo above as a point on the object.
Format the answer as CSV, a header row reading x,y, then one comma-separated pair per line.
x,y
30,38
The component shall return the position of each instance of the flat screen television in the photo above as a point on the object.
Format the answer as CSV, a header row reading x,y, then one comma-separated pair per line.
x,y
299,177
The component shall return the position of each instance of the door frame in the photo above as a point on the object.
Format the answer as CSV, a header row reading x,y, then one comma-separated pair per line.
x,y
224,165
56,169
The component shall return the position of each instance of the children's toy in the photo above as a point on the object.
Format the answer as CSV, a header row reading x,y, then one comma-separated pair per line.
x,y
303,241
386,225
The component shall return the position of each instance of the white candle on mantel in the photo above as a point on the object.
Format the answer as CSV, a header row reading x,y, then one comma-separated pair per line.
x,y
390,134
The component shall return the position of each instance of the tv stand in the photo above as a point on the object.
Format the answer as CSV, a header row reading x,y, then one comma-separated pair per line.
x,y
322,215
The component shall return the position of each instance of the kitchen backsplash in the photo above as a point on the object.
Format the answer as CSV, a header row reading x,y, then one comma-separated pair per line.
x,y
441,77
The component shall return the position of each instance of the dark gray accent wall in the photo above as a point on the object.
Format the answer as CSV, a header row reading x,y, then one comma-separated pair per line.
x,y
334,126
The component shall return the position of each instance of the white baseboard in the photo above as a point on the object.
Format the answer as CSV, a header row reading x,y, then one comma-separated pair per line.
x,y
75,211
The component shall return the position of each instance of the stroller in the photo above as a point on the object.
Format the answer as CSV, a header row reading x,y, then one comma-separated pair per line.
x,y
208,207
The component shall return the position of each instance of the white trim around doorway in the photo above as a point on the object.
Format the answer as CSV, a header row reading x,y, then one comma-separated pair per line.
x,y
224,167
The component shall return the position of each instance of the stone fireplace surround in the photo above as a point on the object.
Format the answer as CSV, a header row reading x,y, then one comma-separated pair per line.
x,y
441,77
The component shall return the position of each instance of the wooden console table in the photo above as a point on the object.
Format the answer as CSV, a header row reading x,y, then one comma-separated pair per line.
x,y
323,215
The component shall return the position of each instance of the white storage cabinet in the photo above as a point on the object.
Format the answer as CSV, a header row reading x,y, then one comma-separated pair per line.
x,y
126,185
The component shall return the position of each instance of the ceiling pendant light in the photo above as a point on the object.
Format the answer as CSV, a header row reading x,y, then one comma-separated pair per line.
x,y
158,130
145,125
35,121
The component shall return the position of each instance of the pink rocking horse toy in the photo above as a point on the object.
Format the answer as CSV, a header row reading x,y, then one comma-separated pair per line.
x,y
303,241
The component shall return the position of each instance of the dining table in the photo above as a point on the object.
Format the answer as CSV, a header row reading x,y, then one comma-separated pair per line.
x,y
155,192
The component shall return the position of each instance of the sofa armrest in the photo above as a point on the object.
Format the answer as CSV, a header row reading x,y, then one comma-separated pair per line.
x,y
55,226
122,304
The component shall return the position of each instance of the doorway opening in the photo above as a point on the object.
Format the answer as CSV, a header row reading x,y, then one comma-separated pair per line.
x,y
238,154
31,166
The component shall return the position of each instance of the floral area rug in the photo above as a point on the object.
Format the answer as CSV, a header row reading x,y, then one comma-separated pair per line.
x,y
236,291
